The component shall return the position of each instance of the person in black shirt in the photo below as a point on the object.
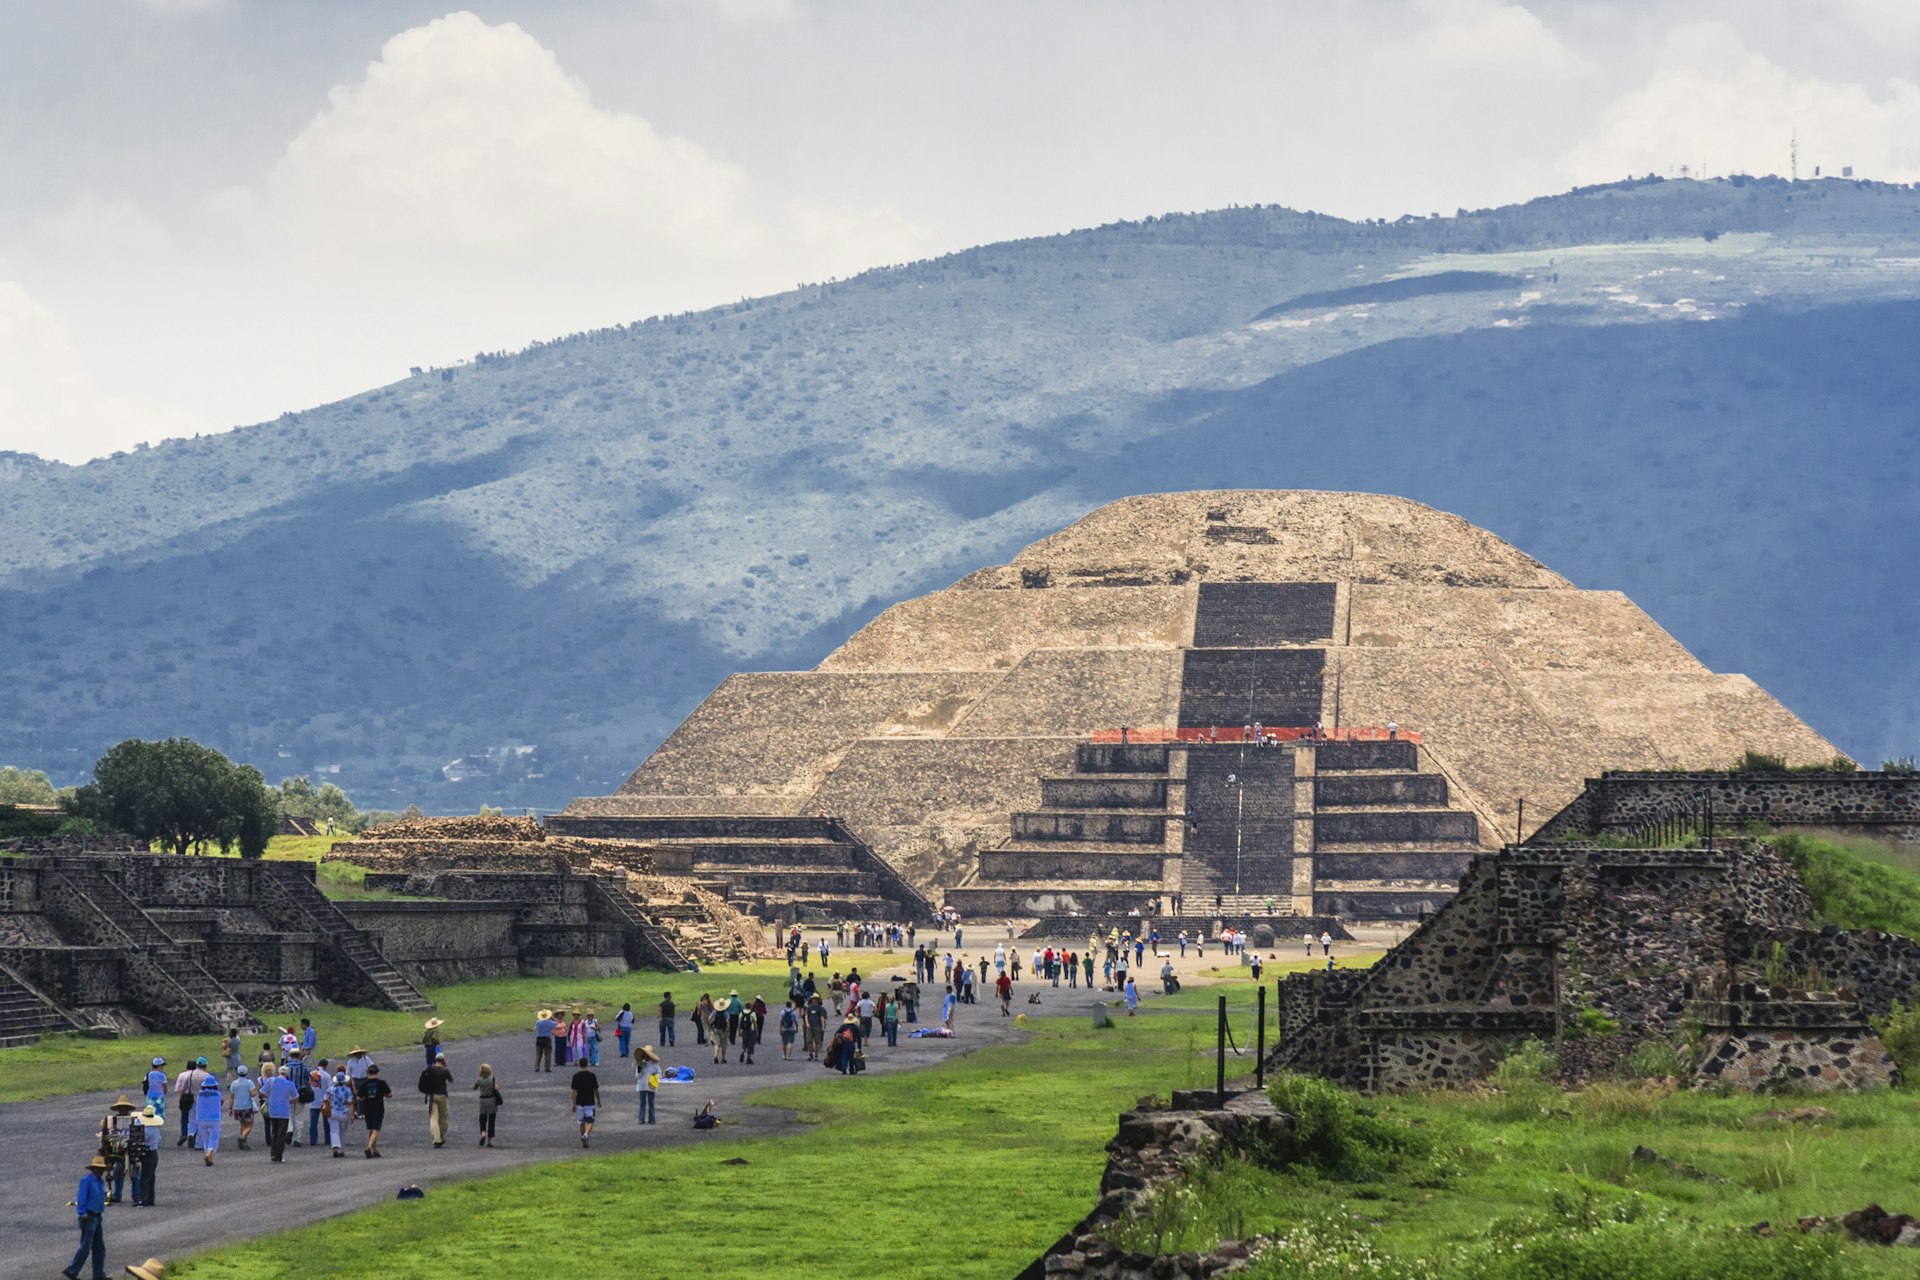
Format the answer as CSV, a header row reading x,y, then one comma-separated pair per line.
x,y
586,1097
433,1083
374,1093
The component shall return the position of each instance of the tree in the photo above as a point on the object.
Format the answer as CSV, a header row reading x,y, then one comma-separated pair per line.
x,y
182,794
301,800
26,786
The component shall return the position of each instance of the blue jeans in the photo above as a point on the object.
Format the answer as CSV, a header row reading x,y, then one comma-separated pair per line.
x,y
626,1038
646,1106
93,1239
117,1175
313,1123
431,1050
666,1031
893,1031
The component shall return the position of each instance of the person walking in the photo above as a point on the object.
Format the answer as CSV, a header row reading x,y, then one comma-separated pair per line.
x,y
488,1087
1257,965
277,1094
309,1041
543,1025
230,1050
623,1028
90,1204
186,1087
241,1098
320,1079
338,1110
116,1135
592,1040
1003,987
434,1083
946,1010
430,1039
814,1015
372,1104
157,1086
207,1111
890,1018
702,1018
646,1081
749,1034
789,1030
1133,997
666,1018
143,1154
585,1093
1326,944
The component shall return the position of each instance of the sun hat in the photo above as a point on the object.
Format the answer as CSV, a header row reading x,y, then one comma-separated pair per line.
x,y
544,1013
354,1050
151,1269
199,1062
339,1077
435,1022
151,1118
647,1053
121,1103
98,1162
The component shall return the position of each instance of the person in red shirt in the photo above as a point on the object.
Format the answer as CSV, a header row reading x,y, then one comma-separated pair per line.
x,y
1004,985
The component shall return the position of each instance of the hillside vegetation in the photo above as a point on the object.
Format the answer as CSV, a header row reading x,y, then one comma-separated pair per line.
x,y
1857,883
1699,393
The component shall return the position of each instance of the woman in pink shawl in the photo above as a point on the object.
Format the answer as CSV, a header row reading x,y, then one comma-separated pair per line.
x,y
577,1039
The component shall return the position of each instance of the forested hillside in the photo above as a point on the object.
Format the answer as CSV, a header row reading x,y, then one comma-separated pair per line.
x,y
1704,395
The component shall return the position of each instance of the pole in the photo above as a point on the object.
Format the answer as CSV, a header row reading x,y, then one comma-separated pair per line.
x,y
1260,1041
1220,1059
1520,821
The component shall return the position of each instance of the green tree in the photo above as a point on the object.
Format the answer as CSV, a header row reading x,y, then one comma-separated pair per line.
x,y
301,800
26,786
183,794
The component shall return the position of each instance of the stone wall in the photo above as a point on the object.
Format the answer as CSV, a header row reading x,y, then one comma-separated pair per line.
x,y
1155,1148
442,942
1539,934
1615,803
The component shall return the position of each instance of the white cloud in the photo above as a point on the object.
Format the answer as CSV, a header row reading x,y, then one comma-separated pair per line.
x,y
1714,103
49,402
1478,36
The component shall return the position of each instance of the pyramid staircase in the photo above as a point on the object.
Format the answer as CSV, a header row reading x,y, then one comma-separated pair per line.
x,y
648,945
290,895
178,989
26,1013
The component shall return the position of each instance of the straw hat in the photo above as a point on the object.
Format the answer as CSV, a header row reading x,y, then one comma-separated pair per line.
x,y
647,1054
151,1118
151,1269
354,1050
733,992
435,1022
544,1013
99,1163
121,1104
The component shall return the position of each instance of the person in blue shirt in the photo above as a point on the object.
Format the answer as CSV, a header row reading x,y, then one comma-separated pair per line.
x,y
206,1116
157,1086
90,1203
243,1095
623,1028
543,1041
277,1096
339,1112
309,1039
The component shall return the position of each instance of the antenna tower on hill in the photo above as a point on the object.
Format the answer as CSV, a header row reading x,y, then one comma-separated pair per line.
x,y
1793,155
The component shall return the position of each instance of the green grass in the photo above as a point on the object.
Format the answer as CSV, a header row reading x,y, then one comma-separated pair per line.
x,y
72,1063
1482,1189
965,1169
1856,882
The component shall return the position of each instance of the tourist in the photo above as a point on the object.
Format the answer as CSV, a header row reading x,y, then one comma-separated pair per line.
x,y
789,1030
289,1043
623,1028
865,1009
1000,957
143,1154
593,1040
702,1018
578,1034
241,1098
1003,987
752,1026
266,1058
1308,939
339,1112
957,943
1326,944
666,1017
890,1019
372,1102
357,1064
585,1093
1167,979
946,1009
230,1051
157,1086
837,988
116,1135
562,1055
1393,731
1015,966
90,1203
1039,967
730,1011
300,1077
309,1040
1132,996
430,1039
717,1036
646,1084
1256,966
543,1028
434,1083
277,1094
813,1016
321,1079
488,1087
186,1087
207,1114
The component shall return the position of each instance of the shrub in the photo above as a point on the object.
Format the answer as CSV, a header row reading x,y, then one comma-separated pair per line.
x,y
1524,1078
1657,1059
1899,764
1900,1032
1590,1022
1334,1132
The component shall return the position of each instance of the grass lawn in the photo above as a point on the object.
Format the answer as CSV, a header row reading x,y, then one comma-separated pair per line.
x,y
965,1169
71,1063
1537,1182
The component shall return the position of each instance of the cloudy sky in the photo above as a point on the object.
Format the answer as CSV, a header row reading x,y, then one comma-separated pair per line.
x,y
212,211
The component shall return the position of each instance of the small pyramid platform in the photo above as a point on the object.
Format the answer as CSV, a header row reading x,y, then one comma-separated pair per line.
x,y
964,738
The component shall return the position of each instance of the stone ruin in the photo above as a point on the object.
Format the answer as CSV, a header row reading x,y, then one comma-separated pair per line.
x,y
966,746
1657,940
584,906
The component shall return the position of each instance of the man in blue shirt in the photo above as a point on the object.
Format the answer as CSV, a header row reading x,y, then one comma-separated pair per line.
x,y
309,1039
543,1041
277,1095
90,1203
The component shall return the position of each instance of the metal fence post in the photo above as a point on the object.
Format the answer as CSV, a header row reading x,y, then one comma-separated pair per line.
x,y
1220,1059
1260,1042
